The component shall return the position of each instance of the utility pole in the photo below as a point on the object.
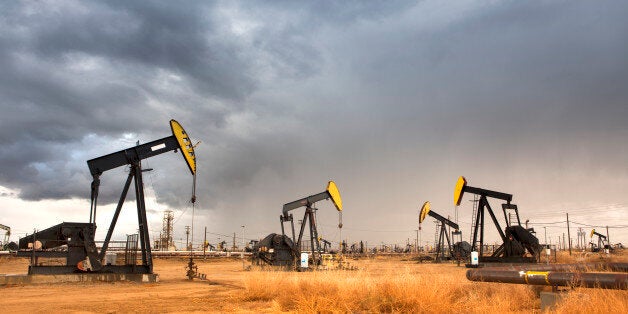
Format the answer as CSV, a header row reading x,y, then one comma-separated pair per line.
x,y
420,237
564,241
187,238
568,234
417,241
545,229
205,243
608,239
234,245
582,241
243,242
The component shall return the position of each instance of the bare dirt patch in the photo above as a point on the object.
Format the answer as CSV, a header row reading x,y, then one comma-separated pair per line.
x,y
379,285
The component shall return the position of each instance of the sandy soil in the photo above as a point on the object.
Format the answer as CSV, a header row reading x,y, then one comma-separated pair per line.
x,y
173,293
224,290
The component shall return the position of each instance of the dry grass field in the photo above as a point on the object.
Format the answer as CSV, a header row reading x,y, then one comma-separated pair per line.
x,y
379,285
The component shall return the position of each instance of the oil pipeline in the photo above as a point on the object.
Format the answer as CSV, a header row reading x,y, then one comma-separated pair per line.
x,y
568,275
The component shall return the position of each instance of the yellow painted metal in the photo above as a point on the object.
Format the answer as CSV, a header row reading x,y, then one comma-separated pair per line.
x,y
592,233
532,273
327,260
332,189
459,190
185,144
424,211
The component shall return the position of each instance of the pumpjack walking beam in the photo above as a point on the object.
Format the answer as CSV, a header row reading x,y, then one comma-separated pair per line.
x,y
81,253
510,244
5,244
601,239
330,193
460,189
7,234
133,157
425,211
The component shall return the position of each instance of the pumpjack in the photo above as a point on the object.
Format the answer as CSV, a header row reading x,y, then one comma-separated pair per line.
x,y
455,251
6,245
518,243
601,241
74,241
282,250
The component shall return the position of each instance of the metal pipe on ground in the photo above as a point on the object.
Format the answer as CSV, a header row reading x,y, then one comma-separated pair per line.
x,y
551,278
611,267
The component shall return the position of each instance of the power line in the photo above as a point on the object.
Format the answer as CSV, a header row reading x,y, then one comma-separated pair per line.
x,y
369,230
547,223
600,226
582,210
183,212
577,223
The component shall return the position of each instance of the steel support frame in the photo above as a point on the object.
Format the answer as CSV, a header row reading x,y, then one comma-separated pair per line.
x,y
439,251
117,269
483,206
444,223
310,220
135,175
507,206
132,157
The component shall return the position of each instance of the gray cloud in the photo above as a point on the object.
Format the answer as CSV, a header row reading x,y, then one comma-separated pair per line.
x,y
393,100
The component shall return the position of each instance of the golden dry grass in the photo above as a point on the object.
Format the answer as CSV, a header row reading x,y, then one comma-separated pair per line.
x,y
582,300
402,286
576,256
422,288
380,285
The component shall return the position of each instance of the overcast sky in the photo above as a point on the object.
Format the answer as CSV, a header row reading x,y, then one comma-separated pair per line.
x,y
392,100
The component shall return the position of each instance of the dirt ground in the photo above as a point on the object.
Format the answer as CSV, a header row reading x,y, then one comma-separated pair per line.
x,y
224,290
173,292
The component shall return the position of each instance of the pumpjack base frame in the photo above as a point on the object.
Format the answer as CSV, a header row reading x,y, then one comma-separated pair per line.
x,y
75,278
507,259
107,269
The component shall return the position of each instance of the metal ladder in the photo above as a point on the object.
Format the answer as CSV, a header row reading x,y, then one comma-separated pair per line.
x,y
473,218
436,234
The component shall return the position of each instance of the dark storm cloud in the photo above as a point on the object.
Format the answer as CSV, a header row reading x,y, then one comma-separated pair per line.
x,y
76,68
524,98
43,44
172,36
88,68
502,61
381,96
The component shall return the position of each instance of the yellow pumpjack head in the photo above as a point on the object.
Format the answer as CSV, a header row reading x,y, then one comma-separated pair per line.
x,y
459,190
424,211
185,144
332,189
